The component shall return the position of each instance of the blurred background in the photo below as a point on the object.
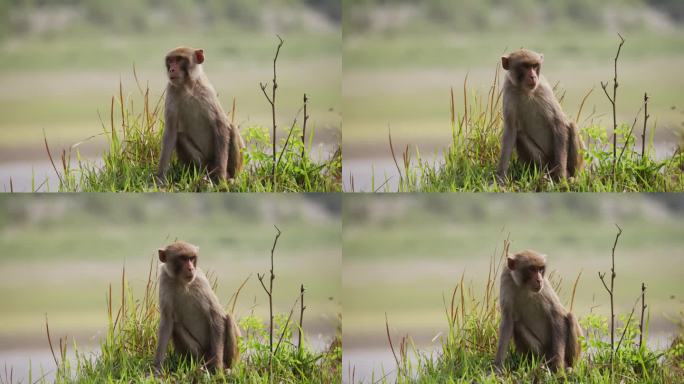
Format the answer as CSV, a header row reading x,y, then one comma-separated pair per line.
x,y
62,61
403,254
62,252
402,56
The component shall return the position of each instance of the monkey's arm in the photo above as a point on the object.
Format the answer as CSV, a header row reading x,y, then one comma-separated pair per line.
x,y
507,141
165,330
505,334
168,144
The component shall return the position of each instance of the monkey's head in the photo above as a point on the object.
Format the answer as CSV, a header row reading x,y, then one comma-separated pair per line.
x,y
523,68
183,64
527,268
180,259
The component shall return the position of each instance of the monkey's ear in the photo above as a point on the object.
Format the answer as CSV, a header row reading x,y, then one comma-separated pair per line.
x,y
504,62
541,58
510,260
162,255
199,56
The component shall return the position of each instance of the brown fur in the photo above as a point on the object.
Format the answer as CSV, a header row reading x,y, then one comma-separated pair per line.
x,y
190,312
534,121
196,126
532,315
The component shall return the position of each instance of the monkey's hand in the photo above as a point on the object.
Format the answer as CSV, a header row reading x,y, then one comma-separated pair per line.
x,y
157,370
160,179
499,180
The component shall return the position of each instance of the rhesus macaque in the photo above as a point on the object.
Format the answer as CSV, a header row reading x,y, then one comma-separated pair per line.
x,y
534,121
190,312
533,316
195,124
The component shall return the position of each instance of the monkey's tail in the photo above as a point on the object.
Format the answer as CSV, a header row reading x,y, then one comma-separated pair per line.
x,y
235,146
575,146
572,344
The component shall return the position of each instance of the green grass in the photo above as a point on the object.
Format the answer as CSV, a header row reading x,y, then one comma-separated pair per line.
x,y
469,164
126,352
130,162
469,346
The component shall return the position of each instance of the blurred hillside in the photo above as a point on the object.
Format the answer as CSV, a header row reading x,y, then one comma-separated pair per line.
x,y
498,15
46,17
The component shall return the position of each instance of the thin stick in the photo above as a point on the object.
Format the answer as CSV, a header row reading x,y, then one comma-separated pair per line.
x,y
272,101
613,101
302,307
643,133
610,293
306,117
269,293
643,309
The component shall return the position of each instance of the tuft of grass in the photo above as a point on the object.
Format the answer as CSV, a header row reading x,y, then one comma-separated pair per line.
x,y
469,164
469,345
130,161
127,351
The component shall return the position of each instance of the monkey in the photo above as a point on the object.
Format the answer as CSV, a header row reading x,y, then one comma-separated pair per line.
x,y
195,125
534,120
533,316
190,312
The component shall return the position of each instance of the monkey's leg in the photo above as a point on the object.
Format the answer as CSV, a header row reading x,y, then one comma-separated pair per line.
x,y
235,146
561,140
525,341
185,343
189,153
217,338
219,161
529,152
231,352
575,159
572,345
555,354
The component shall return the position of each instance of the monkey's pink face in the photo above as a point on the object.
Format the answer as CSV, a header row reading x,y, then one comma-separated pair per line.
x,y
185,267
177,69
529,75
535,277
